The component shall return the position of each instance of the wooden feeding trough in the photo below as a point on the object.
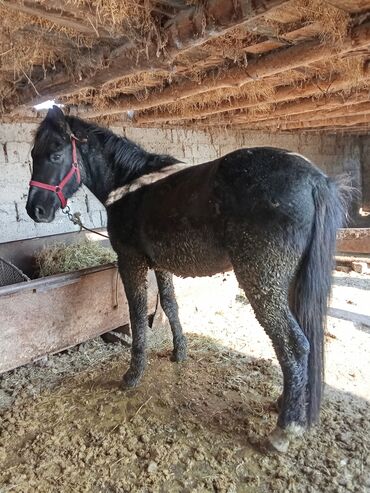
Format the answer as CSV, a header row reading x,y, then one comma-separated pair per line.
x,y
47,315
353,250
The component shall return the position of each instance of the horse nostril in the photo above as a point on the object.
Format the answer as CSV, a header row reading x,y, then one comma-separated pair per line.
x,y
39,212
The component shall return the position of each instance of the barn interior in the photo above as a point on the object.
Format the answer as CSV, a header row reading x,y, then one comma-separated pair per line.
x,y
196,80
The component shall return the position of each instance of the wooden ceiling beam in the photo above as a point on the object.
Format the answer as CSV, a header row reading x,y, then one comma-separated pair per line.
x,y
357,108
308,113
335,105
286,38
281,94
355,129
267,65
344,120
183,32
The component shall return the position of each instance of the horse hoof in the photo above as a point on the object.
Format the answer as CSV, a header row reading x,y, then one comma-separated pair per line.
x,y
129,382
280,438
279,441
179,355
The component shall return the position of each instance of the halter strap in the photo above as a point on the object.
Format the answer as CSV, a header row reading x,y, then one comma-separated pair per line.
x,y
58,189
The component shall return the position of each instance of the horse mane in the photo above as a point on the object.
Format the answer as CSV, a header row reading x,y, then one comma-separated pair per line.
x,y
127,159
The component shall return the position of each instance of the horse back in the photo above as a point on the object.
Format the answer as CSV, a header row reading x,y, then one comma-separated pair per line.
x,y
181,222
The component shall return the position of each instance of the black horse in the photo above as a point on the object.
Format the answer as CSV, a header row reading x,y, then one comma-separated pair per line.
x,y
269,214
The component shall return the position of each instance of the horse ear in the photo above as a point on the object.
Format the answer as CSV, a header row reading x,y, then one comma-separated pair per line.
x,y
55,114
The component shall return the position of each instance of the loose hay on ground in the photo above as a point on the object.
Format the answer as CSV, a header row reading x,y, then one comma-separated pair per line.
x,y
194,427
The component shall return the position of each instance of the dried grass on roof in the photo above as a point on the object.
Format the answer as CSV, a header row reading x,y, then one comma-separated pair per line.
x,y
19,57
132,84
25,39
231,45
334,22
131,26
257,91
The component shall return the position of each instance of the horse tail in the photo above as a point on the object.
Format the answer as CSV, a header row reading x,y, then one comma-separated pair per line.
x,y
313,280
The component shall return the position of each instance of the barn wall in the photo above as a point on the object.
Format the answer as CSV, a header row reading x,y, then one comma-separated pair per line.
x,y
334,154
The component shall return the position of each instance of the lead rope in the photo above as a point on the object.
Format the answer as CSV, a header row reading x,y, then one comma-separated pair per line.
x,y
76,220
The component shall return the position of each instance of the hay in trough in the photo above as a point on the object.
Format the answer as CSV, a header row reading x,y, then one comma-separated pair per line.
x,y
60,258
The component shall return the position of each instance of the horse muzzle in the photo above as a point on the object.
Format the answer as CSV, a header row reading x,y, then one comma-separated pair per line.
x,y
41,212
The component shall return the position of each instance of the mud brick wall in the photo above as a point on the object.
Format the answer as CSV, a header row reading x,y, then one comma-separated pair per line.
x,y
334,154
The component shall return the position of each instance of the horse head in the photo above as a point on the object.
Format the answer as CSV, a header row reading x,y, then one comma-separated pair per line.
x,y
55,173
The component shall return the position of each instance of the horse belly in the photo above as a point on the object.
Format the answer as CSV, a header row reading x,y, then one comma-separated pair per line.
x,y
188,253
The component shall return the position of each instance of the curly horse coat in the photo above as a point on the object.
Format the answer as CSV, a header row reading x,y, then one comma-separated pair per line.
x,y
267,213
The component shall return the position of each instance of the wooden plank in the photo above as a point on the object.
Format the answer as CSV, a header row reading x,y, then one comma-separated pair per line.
x,y
257,69
303,33
284,39
264,46
52,314
354,240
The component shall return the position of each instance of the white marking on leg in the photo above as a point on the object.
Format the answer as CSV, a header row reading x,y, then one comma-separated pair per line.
x,y
280,438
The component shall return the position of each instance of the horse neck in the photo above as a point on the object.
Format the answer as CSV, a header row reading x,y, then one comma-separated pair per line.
x,y
110,161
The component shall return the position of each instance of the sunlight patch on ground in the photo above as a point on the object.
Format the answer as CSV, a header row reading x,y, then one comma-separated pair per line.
x,y
216,308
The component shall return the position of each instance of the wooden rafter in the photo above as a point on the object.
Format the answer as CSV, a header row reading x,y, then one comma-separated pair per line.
x,y
307,108
315,88
265,66
183,32
344,120
361,107
358,104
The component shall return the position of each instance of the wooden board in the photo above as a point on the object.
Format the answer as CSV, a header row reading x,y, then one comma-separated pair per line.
x,y
48,315
354,240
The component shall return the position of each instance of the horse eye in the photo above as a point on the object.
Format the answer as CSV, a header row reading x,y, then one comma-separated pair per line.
x,y
55,157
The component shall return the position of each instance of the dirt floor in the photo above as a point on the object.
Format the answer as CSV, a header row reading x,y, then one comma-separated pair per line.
x,y
196,426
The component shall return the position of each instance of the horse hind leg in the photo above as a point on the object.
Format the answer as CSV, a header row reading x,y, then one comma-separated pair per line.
x,y
170,308
269,295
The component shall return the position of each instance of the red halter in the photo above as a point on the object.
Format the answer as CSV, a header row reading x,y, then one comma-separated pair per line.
x,y
58,189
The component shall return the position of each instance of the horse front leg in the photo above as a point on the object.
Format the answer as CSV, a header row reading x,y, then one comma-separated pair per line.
x,y
171,309
133,270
